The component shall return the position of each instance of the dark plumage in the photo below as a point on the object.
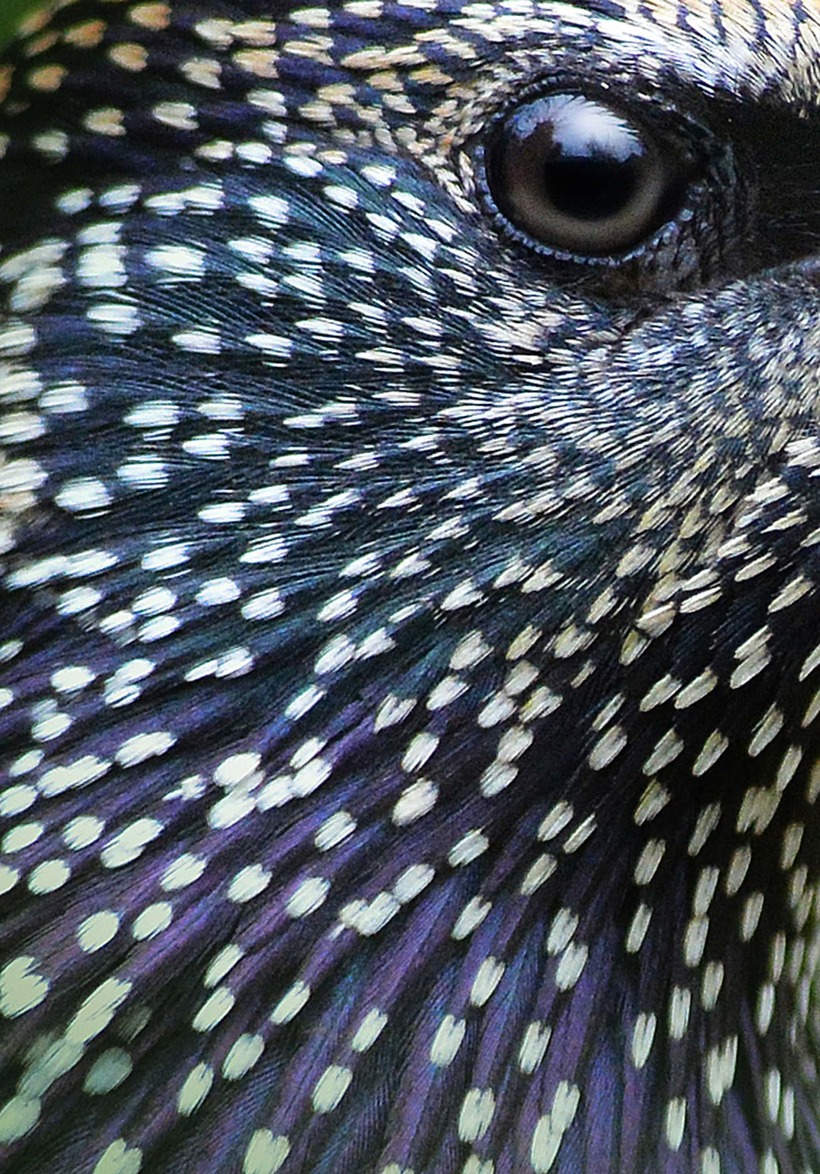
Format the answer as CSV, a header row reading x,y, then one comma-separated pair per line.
x,y
409,646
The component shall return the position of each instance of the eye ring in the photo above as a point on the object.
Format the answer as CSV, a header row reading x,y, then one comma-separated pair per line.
x,y
578,177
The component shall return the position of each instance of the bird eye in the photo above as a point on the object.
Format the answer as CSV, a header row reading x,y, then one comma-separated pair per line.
x,y
577,176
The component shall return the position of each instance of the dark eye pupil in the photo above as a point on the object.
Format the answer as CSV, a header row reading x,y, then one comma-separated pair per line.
x,y
590,189
577,176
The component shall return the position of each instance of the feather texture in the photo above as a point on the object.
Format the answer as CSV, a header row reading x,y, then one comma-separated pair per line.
x,y
409,658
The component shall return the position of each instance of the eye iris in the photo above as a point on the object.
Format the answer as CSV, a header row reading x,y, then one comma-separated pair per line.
x,y
577,175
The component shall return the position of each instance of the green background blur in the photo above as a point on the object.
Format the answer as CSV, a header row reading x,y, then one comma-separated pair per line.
x,y
11,12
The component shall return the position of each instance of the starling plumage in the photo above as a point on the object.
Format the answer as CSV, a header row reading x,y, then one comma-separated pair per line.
x,y
409,521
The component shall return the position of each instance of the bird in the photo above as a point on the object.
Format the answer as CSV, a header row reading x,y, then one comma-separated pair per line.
x,y
409,530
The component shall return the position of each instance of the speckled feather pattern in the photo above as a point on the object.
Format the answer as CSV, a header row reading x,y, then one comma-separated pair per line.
x,y
408,664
